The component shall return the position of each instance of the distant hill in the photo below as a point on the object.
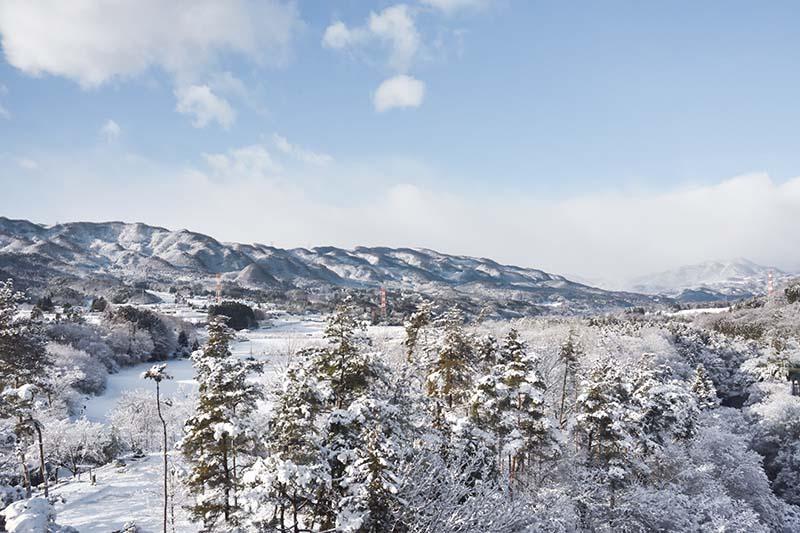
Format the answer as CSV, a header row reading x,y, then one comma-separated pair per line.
x,y
87,256
712,280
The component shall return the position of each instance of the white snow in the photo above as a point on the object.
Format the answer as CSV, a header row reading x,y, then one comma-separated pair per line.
x,y
275,343
29,516
121,494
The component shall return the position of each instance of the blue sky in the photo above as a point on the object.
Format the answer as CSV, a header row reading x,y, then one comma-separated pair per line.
x,y
522,111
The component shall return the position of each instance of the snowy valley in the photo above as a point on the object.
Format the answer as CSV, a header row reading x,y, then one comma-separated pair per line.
x,y
357,414
418,266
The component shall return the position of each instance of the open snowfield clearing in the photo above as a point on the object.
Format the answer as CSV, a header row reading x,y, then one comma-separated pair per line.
x,y
700,311
274,343
121,494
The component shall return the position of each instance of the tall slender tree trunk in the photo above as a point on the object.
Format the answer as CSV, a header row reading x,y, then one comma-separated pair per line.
x,y
227,478
26,479
233,465
41,458
561,419
26,476
166,467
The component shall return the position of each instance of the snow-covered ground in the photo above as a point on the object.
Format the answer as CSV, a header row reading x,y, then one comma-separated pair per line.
x,y
273,343
700,311
120,495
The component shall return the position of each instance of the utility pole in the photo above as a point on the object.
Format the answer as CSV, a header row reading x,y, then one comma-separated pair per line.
x,y
219,287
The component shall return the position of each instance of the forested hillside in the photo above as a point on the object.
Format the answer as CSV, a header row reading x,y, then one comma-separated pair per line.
x,y
623,422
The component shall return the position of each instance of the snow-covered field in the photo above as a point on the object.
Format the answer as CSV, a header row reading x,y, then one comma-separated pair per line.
x,y
129,493
273,343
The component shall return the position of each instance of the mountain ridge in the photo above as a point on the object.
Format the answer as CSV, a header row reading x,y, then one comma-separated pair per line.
x,y
722,280
130,253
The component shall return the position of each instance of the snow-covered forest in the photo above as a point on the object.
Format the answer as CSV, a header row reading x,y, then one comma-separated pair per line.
x,y
635,421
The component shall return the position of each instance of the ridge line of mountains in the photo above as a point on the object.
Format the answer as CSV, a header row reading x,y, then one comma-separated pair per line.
x,y
98,258
95,257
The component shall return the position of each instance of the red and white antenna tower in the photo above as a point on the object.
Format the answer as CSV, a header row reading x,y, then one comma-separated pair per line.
x,y
770,284
383,302
219,287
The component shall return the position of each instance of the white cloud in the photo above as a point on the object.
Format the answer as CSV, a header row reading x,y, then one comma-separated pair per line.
x,y
110,131
27,163
338,36
451,6
204,106
301,154
246,163
614,235
394,26
399,91
95,42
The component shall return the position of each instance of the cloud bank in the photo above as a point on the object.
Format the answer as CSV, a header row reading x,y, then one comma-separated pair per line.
x,y
95,42
249,196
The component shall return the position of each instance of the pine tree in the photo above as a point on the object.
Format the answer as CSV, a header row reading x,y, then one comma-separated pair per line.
x,y
218,429
486,351
320,469
419,319
510,402
370,502
569,354
350,370
603,422
704,389
23,357
449,379
344,363
294,477
663,407
24,365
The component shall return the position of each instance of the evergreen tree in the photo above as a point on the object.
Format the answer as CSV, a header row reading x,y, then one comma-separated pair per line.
x,y
98,305
24,364
603,422
218,430
704,389
344,363
23,357
292,481
486,351
569,354
663,408
419,319
450,375
371,501
330,441
45,303
510,402
183,344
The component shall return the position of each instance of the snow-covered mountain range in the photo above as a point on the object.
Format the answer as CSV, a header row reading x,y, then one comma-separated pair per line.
x,y
91,255
720,280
